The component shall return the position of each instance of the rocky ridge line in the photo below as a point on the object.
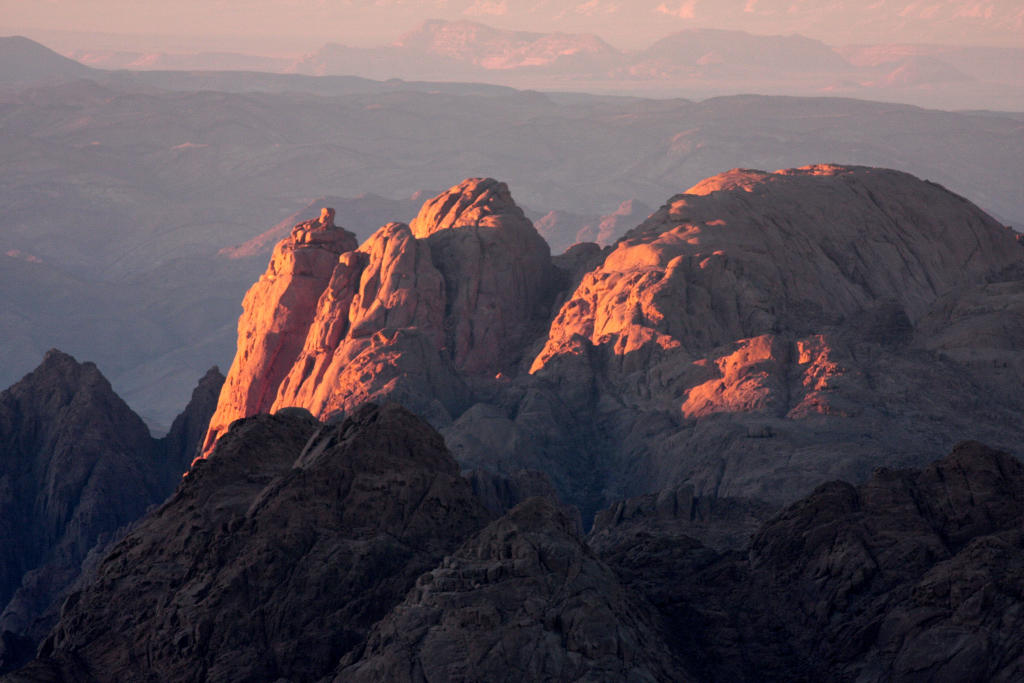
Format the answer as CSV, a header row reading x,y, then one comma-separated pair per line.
x,y
76,466
355,551
754,336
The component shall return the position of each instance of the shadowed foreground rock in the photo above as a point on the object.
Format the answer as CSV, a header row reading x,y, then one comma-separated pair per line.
x,y
356,551
275,556
522,600
76,465
915,575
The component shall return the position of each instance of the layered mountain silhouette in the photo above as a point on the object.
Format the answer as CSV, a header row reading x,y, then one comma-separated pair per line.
x,y
26,62
76,466
753,337
122,191
697,61
354,551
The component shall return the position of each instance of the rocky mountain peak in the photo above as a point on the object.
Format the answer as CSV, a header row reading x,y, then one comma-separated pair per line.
x,y
460,289
735,179
322,231
737,324
794,249
76,464
300,537
483,202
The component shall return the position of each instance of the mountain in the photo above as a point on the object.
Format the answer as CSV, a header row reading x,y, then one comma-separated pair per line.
x,y
447,50
496,49
718,53
694,63
332,326
355,551
562,229
362,215
755,335
169,61
524,598
119,197
77,465
24,62
300,537
912,575
995,64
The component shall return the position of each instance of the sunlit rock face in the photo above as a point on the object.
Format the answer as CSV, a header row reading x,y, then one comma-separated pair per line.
x,y
406,316
277,314
746,253
754,336
764,330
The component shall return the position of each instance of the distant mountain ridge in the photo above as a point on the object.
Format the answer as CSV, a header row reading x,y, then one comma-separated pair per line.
x,y
492,48
693,61
26,62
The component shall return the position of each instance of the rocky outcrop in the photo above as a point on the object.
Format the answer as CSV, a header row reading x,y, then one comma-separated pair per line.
x,y
275,556
746,252
914,575
277,313
760,316
406,316
497,272
522,600
76,464
756,335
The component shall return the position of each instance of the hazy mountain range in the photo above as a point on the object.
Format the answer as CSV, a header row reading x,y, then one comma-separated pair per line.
x,y
690,63
124,194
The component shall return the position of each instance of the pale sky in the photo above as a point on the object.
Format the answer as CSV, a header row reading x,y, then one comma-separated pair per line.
x,y
298,26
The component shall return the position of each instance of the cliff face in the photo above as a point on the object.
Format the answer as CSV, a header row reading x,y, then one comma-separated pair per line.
x,y
281,307
76,465
408,315
789,327
747,253
756,335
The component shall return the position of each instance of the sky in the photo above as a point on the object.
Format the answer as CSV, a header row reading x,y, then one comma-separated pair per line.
x,y
300,26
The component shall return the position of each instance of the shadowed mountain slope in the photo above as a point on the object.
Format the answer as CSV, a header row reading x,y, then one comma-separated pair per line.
x,y
76,465
24,61
914,575
354,551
